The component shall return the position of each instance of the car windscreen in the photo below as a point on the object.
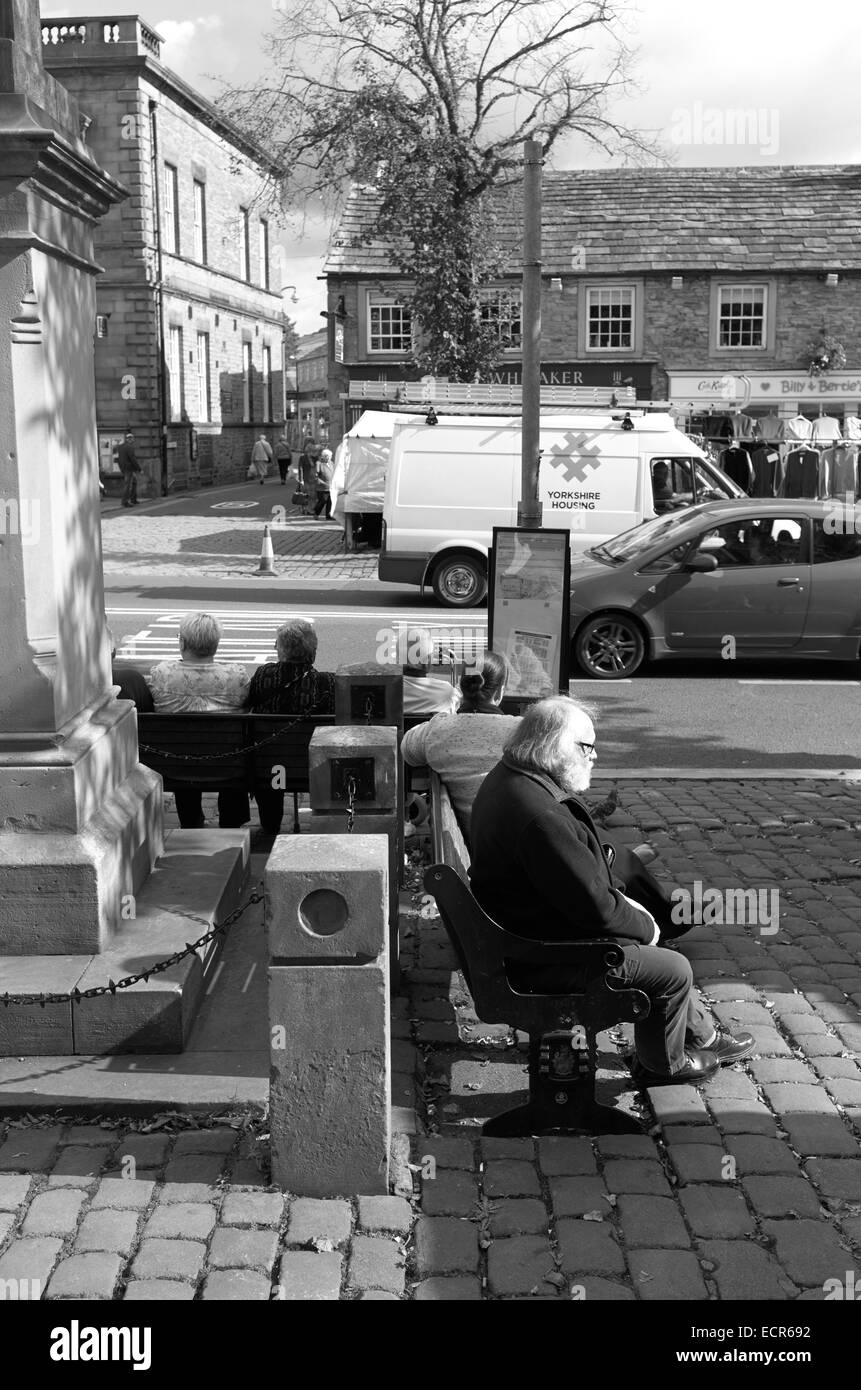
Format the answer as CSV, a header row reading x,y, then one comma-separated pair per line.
x,y
649,534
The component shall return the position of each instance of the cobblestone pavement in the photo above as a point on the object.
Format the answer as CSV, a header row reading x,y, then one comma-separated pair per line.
x,y
747,1188
222,546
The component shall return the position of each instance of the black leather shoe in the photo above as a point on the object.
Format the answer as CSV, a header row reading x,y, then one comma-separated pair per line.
x,y
729,1047
700,1064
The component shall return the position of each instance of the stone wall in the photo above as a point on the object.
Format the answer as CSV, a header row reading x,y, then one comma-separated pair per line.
x,y
207,298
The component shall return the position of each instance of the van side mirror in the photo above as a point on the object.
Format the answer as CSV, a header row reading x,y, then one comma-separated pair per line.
x,y
702,562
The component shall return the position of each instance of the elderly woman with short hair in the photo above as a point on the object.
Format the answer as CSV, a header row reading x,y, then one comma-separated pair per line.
x,y
290,685
197,682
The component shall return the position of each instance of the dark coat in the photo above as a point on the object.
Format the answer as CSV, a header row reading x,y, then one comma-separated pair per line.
x,y
538,868
127,459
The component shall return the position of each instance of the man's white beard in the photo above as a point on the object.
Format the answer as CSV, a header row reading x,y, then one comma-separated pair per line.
x,y
574,780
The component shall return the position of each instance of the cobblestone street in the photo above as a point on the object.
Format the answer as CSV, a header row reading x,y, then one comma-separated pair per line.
x,y
748,1188
225,545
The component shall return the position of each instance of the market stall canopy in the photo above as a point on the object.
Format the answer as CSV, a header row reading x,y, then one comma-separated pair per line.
x,y
361,462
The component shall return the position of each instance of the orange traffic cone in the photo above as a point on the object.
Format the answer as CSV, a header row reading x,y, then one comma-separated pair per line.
x,y
267,555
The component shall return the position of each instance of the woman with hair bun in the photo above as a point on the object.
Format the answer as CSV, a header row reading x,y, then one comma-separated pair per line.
x,y
462,750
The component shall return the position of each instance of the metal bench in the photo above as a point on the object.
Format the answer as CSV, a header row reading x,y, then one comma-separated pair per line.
x,y
562,1028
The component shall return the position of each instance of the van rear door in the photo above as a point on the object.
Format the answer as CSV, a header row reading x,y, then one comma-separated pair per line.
x,y
452,485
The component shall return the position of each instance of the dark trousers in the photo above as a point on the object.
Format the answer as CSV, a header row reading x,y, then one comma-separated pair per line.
x,y
130,494
283,466
233,809
677,1017
324,499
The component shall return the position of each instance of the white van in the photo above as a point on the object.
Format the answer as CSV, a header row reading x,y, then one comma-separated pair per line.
x,y
449,484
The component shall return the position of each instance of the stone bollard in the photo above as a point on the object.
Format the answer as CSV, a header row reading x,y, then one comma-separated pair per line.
x,y
368,753
330,1077
371,693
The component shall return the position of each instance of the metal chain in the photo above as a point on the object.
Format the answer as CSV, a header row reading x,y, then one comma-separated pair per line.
x,y
233,752
76,995
350,787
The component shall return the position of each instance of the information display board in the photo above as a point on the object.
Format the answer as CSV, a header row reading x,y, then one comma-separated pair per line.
x,y
528,608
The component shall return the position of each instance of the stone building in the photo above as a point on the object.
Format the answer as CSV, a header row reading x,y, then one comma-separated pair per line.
x,y
707,288
189,328
312,385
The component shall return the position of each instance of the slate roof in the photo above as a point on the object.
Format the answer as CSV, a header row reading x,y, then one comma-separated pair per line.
x,y
764,218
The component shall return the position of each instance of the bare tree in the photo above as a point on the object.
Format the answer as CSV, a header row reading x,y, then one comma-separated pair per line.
x,y
428,103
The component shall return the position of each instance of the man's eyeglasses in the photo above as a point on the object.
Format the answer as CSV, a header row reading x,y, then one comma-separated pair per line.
x,y
587,748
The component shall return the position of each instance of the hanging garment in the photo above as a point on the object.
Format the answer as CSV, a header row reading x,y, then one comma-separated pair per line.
x,y
799,427
852,427
736,463
731,427
769,428
825,429
801,478
766,470
841,462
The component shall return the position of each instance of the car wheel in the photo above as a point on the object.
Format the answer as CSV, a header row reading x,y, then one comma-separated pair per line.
x,y
610,647
460,581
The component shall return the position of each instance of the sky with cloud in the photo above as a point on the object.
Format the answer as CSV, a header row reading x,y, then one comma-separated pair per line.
x,y
793,63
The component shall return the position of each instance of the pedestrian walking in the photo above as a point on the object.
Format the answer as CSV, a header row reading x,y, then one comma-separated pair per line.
x,y
261,457
307,476
325,469
283,455
129,467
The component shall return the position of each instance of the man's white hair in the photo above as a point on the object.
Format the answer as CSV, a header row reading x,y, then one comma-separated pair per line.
x,y
200,634
542,740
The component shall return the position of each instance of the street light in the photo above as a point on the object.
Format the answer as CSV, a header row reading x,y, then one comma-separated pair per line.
x,y
294,298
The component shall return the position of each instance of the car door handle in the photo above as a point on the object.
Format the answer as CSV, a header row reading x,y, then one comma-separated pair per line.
x,y
782,583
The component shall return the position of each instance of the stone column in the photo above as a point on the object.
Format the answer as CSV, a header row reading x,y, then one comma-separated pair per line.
x,y
80,818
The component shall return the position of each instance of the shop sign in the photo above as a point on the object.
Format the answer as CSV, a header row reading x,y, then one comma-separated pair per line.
x,y
739,388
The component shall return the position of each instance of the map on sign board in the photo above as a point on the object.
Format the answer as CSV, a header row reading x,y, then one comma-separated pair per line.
x,y
528,608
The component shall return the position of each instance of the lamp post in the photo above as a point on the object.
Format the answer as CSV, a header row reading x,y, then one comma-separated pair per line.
x,y
294,299
529,510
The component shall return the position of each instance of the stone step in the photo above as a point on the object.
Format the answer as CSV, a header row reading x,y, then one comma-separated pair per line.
x,y
201,877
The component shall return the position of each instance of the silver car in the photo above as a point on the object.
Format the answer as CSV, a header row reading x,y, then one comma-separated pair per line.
x,y
749,578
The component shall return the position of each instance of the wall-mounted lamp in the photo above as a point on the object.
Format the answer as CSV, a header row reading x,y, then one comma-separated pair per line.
x,y
676,282
293,298
431,417
340,308
832,279
556,283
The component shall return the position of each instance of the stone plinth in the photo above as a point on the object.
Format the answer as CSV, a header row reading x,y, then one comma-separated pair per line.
x,y
80,819
330,1082
368,693
351,744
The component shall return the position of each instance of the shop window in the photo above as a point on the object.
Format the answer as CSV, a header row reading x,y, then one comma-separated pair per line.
x,y
610,318
389,324
742,316
501,312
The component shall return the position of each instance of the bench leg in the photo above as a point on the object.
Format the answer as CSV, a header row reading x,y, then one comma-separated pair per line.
x,y
561,1094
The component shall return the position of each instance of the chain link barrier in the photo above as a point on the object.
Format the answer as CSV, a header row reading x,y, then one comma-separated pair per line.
x,y
350,786
76,995
235,752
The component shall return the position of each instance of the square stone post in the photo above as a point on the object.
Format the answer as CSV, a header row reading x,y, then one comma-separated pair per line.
x,y
330,1085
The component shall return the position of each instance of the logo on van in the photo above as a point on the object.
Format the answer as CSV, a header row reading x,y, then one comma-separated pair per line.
x,y
586,461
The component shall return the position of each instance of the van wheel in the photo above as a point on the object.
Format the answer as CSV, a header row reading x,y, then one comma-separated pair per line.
x,y
460,581
610,647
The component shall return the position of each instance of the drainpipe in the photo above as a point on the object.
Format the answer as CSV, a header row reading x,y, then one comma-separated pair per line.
x,y
159,303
